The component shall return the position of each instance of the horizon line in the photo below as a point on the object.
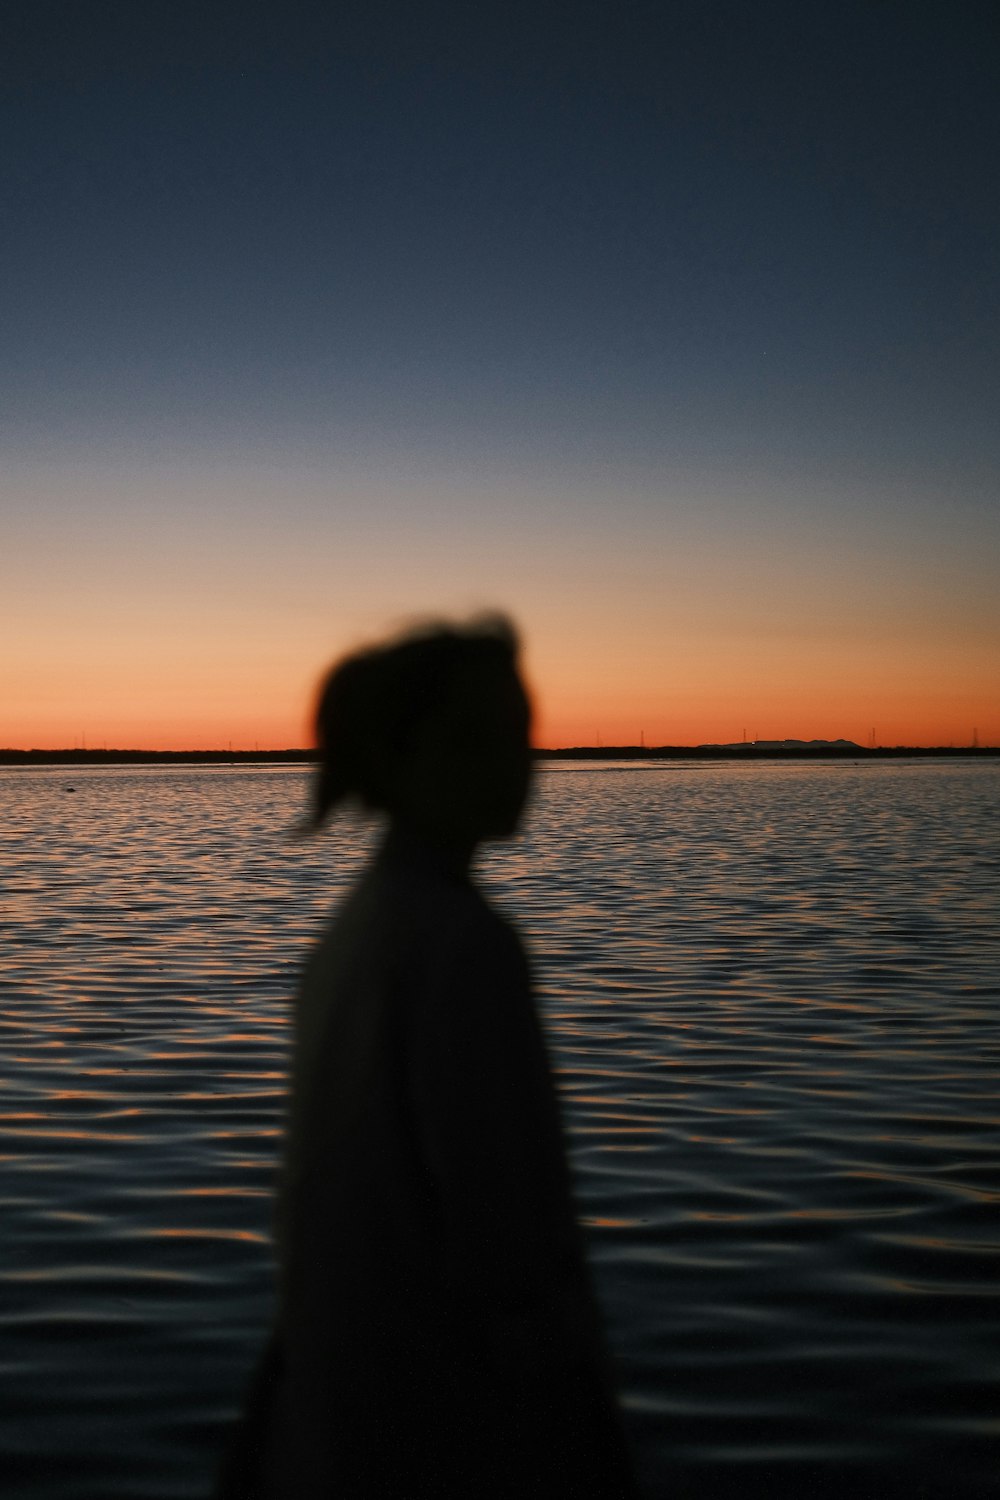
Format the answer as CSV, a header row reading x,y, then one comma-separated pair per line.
x,y
815,749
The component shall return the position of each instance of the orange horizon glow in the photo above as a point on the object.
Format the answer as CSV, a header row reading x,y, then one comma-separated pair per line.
x,y
594,730
712,696
705,703
689,621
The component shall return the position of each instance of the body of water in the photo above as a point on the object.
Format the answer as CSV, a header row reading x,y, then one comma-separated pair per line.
x,y
772,996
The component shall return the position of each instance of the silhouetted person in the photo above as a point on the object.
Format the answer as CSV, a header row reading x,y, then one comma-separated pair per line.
x,y
436,1330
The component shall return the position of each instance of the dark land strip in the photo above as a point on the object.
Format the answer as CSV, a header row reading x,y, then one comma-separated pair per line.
x,y
645,753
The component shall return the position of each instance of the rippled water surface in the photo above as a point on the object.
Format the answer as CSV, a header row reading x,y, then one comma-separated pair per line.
x,y
772,994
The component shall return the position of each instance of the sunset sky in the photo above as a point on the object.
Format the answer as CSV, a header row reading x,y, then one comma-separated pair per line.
x,y
670,329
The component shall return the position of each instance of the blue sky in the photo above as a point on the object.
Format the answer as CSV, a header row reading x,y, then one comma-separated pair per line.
x,y
610,287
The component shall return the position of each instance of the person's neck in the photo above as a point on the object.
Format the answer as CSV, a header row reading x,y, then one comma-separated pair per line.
x,y
453,851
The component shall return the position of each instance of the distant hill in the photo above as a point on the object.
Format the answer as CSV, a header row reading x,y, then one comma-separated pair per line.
x,y
785,745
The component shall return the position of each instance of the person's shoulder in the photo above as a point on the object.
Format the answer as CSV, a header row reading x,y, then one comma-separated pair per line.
x,y
478,950
477,932
415,922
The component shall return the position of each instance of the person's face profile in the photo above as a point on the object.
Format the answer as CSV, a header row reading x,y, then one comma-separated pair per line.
x,y
476,760
502,757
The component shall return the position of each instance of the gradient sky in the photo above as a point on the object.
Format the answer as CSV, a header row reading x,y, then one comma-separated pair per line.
x,y
671,329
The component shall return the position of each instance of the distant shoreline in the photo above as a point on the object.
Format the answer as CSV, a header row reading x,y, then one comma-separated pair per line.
x,y
78,757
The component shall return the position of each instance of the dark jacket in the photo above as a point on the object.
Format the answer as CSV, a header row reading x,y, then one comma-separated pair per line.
x,y
437,1332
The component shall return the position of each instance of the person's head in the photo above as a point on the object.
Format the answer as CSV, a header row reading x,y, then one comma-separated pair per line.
x,y
432,729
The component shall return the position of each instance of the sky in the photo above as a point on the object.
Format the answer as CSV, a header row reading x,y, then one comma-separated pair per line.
x,y
669,329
